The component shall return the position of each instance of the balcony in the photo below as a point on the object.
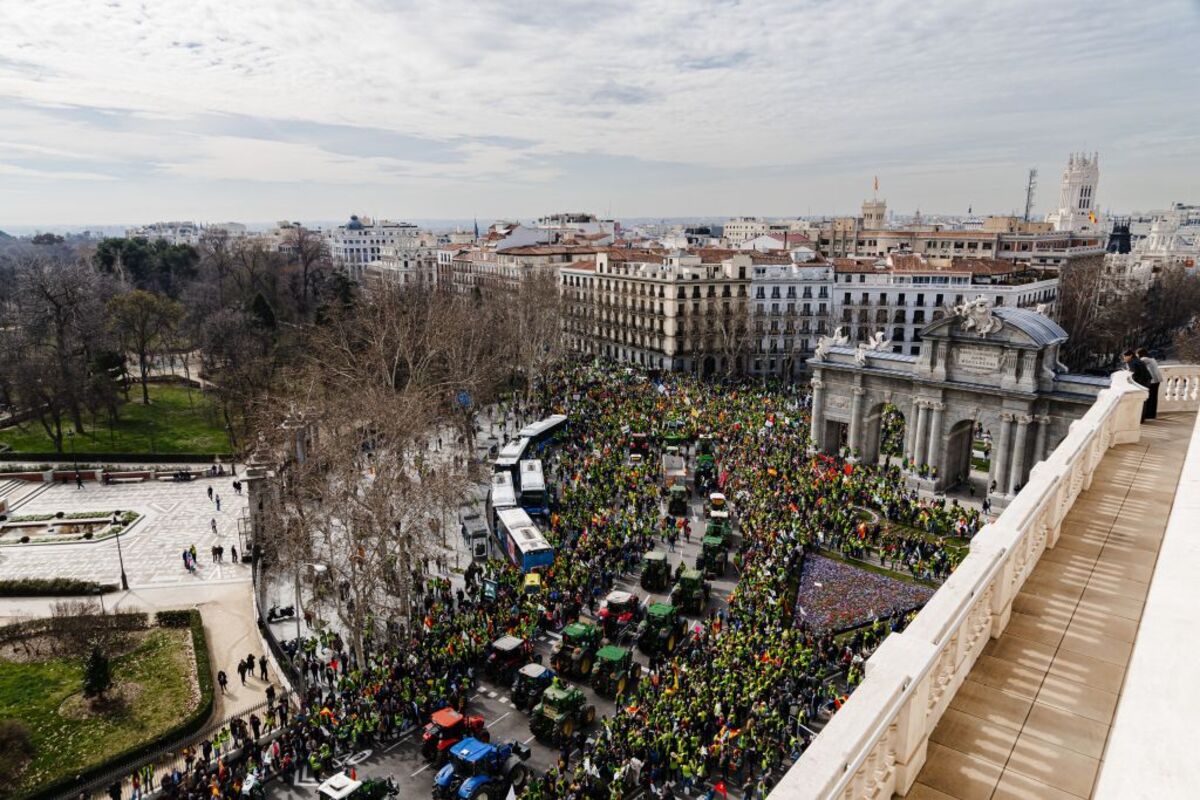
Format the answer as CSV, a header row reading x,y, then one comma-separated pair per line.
x,y
1057,661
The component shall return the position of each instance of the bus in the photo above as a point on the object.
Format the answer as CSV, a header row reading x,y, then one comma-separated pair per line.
x,y
511,455
532,493
525,545
544,431
502,495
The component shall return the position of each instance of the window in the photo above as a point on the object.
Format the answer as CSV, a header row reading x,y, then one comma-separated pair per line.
x,y
920,299
937,301
900,299
866,298
847,300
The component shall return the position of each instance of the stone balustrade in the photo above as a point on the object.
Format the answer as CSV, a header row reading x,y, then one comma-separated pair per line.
x,y
876,745
1180,389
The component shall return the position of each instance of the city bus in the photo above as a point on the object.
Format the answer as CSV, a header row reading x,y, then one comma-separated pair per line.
x,y
544,431
511,455
502,495
531,495
525,545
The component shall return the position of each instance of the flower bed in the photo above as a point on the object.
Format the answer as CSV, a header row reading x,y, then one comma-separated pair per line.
x,y
834,596
77,526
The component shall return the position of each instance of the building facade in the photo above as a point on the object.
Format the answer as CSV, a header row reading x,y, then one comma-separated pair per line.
x,y
362,240
791,306
1078,208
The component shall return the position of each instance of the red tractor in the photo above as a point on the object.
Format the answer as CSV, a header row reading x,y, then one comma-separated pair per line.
x,y
446,728
618,612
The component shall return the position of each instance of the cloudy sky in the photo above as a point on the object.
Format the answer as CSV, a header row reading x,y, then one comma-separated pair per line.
x,y
118,111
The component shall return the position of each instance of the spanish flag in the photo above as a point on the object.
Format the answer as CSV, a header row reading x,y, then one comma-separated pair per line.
x,y
1092,217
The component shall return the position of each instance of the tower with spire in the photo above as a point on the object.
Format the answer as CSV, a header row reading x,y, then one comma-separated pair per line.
x,y
1078,209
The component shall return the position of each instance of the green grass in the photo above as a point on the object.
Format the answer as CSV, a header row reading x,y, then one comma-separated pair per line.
x,y
34,692
178,420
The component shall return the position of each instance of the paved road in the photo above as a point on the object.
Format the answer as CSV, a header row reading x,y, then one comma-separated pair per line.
x,y
402,759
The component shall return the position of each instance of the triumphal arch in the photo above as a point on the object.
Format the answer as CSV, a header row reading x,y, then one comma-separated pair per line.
x,y
979,368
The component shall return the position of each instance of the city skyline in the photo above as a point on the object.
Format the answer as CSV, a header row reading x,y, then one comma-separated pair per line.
x,y
123,114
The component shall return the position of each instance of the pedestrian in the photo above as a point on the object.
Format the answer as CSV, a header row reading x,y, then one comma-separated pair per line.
x,y
78,480
262,667
1141,376
270,694
210,494
1156,378
233,553
222,680
214,554
218,497
213,523
241,668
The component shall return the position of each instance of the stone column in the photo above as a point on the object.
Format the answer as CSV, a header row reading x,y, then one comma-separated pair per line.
x,y
1039,443
1017,475
1000,454
818,412
910,431
933,449
855,434
922,433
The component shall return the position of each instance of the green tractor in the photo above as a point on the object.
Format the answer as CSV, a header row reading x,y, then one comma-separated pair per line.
x,y
616,671
562,711
691,592
721,529
713,557
662,630
656,572
677,500
575,653
676,433
706,465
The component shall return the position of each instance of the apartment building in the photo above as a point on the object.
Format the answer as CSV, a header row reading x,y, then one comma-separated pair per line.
x,y
362,240
791,307
480,269
900,294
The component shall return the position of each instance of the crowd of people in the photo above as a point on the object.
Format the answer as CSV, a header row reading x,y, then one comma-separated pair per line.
x,y
734,704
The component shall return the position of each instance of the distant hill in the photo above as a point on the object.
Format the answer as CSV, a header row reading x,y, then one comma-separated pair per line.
x,y
4,235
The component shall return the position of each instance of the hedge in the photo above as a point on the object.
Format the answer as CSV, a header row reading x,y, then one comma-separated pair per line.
x,y
52,587
63,461
122,763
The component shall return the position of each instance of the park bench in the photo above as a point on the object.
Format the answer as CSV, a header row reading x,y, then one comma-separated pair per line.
x,y
126,480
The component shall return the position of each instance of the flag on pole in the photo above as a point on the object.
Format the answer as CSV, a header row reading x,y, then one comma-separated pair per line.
x,y
877,183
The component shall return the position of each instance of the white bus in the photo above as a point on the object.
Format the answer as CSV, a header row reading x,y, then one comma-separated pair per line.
x,y
502,495
525,545
532,488
543,431
510,455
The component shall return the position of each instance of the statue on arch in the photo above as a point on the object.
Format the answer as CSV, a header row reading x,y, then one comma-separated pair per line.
x,y
976,315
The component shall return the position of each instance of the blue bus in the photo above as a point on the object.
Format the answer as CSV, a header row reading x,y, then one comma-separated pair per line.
x,y
525,545
531,494
544,431
500,496
510,456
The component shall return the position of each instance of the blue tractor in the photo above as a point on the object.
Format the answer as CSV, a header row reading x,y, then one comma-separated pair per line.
x,y
482,771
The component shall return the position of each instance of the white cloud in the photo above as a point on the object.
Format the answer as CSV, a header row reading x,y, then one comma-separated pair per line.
x,y
821,87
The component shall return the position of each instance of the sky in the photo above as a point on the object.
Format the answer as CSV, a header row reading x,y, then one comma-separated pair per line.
x,y
113,111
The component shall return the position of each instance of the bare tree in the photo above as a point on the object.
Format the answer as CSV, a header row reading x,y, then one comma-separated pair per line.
x,y
144,322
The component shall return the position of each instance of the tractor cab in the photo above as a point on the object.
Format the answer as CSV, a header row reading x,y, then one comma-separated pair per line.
x,y
575,653
721,529
656,573
618,611
532,679
717,507
505,656
563,710
662,630
691,592
713,557
447,727
639,447
677,500
616,671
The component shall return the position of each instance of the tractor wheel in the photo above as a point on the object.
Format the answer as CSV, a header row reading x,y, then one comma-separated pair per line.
x,y
482,793
671,643
621,686
585,666
589,716
518,776
568,728
484,736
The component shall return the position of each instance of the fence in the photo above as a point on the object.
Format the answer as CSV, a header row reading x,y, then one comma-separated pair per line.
x,y
875,746
1180,389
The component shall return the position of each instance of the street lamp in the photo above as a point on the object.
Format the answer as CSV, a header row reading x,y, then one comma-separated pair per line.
x,y
71,438
120,557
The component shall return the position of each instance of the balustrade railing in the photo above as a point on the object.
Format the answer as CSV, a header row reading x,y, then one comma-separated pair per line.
x,y
875,746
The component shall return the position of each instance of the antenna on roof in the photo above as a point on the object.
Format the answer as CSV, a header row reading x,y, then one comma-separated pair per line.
x,y
1030,188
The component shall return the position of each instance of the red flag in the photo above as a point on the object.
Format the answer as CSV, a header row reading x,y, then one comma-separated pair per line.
x,y
721,790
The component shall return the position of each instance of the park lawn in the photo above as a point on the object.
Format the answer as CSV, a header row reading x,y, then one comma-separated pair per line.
x,y
162,664
172,423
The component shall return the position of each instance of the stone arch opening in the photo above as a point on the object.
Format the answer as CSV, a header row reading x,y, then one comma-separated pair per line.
x,y
956,453
884,434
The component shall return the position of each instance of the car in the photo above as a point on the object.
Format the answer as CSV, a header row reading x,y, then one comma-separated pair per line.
x,y
505,656
575,652
532,679
713,557
616,671
482,771
656,572
618,611
447,727
677,501
691,592
662,630
563,710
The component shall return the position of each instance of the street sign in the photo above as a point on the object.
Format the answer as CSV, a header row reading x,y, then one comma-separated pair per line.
x,y
489,588
464,398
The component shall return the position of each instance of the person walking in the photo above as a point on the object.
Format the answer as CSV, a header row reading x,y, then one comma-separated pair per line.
x,y
1156,379
241,668
262,667
233,553
1140,373
213,523
218,501
222,680
210,494
78,480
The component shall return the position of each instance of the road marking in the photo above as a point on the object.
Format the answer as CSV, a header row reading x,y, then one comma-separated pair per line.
x,y
527,741
475,695
422,769
497,719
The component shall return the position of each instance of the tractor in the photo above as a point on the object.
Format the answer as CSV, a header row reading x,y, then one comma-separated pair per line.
x,y
713,557
563,710
505,656
446,728
677,500
617,612
691,592
717,507
662,630
639,447
616,671
676,433
721,529
706,466
532,679
656,572
575,653
481,771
